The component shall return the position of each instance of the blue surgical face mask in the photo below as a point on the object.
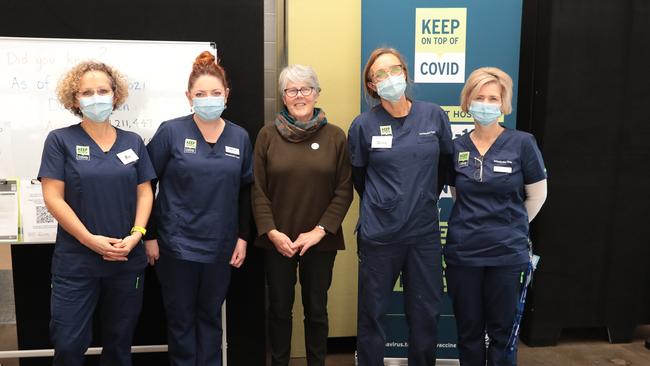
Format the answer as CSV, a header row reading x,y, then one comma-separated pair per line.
x,y
96,108
485,113
209,108
392,88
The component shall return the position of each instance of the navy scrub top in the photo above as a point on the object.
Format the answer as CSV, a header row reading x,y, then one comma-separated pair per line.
x,y
399,202
101,190
489,223
196,210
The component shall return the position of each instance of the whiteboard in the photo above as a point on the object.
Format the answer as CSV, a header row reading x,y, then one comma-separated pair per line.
x,y
30,69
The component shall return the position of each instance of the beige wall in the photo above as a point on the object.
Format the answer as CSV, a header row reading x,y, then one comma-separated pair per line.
x,y
5,256
327,36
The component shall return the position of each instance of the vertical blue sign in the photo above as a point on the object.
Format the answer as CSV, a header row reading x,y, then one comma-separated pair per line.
x,y
443,41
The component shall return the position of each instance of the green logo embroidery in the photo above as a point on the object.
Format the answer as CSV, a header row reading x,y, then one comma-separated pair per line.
x,y
190,146
399,285
385,130
83,152
463,158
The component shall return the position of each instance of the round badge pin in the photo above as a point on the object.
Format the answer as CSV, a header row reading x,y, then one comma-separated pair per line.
x,y
315,146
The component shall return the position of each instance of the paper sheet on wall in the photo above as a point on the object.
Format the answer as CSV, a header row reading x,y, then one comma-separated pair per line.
x,y
6,161
39,226
8,211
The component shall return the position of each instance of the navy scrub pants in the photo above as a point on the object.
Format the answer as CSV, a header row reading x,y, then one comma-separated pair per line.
x,y
73,303
193,293
379,268
485,299
315,269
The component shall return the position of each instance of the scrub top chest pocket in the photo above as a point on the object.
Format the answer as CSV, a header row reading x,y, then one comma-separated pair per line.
x,y
498,171
408,148
404,148
427,137
504,168
428,145
494,168
497,174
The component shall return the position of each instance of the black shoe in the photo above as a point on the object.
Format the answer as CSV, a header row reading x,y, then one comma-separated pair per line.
x,y
647,343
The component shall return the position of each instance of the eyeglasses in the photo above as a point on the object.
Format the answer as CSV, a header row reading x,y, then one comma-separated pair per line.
x,y
305,91
383,74
90,92
478,164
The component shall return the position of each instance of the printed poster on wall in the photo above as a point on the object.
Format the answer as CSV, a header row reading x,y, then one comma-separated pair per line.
x,y
440,45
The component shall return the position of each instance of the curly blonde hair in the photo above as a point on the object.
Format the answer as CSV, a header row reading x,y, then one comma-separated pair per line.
x,y
68,86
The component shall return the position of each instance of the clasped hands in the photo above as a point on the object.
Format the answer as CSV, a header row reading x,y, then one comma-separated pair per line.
x,y
113,249
289,248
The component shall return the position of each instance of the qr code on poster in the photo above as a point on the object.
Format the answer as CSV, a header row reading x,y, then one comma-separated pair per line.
x,y
43,216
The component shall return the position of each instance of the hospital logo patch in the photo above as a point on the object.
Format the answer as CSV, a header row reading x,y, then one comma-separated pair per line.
x,y
83,152
190,146
386,130
463,158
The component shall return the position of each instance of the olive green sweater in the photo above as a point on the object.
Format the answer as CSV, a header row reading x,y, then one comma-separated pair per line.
x,y
301,185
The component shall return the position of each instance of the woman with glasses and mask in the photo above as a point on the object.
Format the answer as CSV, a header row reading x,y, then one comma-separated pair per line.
x,y
301,194
397,148
199,227
499,183
96,184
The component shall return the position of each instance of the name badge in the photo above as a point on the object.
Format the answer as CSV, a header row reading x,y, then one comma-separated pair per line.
x,y
502,169
232,151
382,142
127,156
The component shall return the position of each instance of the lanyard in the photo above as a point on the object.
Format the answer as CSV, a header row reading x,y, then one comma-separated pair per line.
x,y
511,346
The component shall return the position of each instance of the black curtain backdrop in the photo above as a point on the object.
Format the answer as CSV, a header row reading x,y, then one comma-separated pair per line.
x,y
237,29
583,93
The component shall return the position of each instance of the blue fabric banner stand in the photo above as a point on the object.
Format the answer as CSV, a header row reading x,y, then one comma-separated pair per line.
x,y
442,41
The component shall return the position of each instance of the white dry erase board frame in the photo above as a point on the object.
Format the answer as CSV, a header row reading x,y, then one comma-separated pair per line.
x,y
30,69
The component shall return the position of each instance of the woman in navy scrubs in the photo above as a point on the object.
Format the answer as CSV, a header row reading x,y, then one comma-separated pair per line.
x,y
96,183
201,214
395,150
499,182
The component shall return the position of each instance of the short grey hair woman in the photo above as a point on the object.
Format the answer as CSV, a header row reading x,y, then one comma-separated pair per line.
x,y
302,191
